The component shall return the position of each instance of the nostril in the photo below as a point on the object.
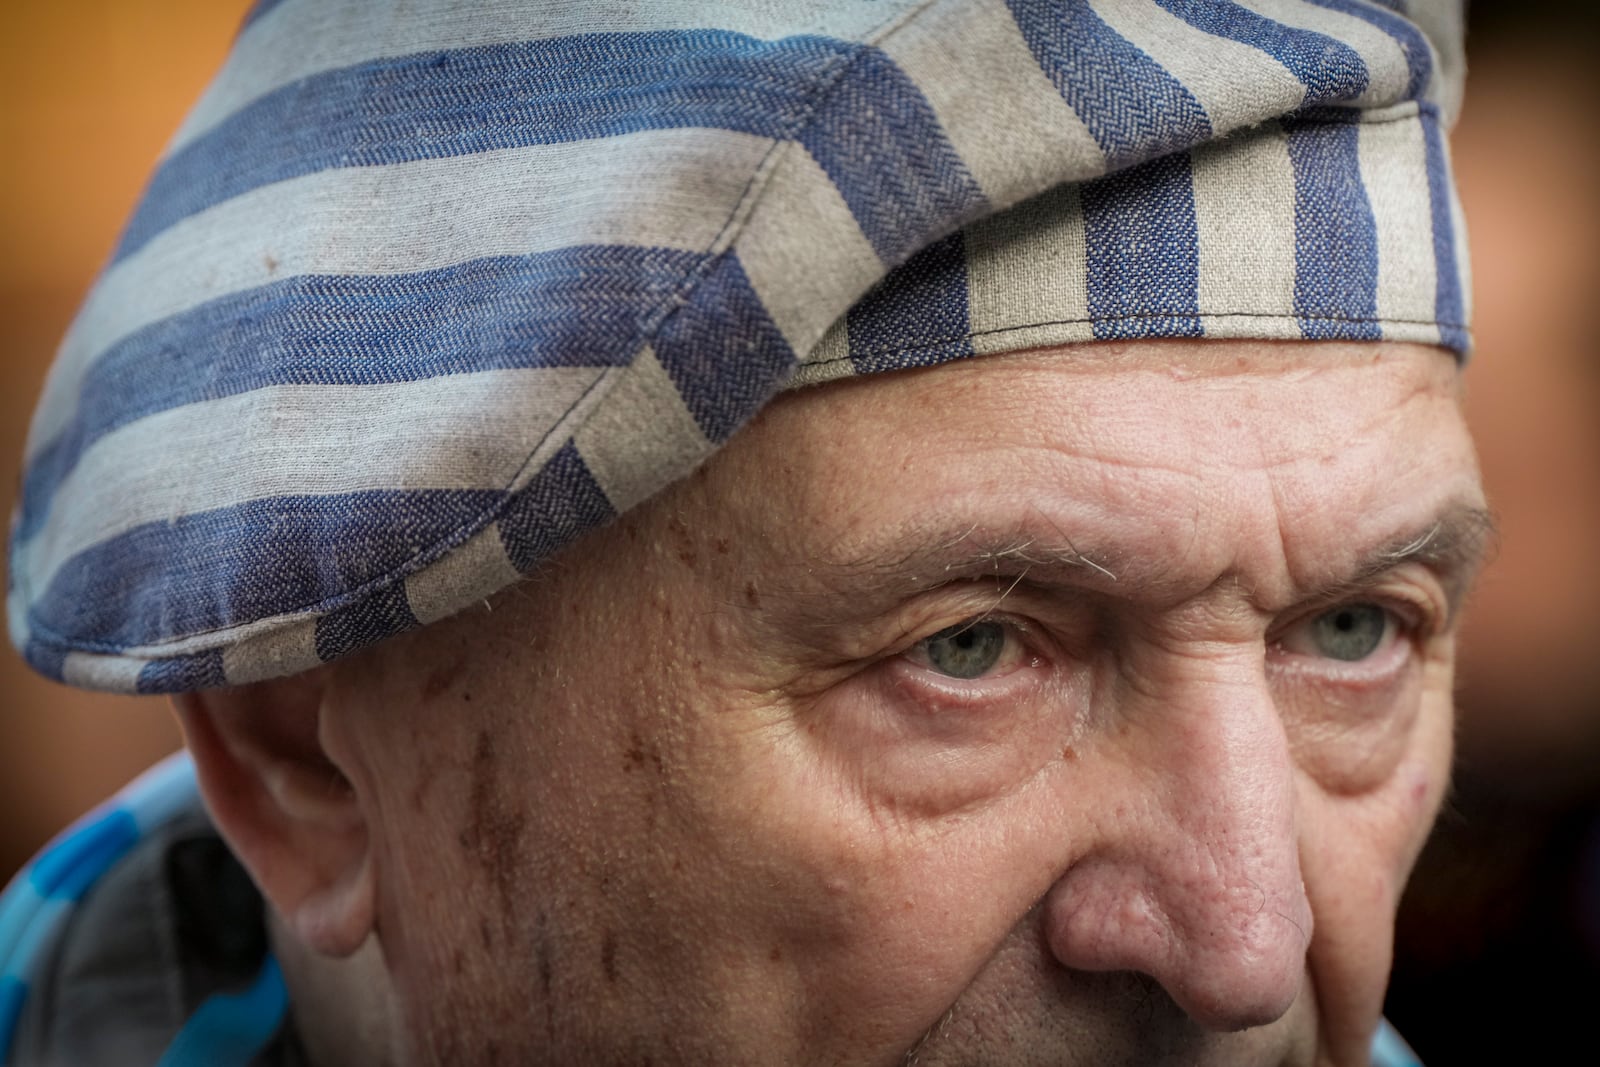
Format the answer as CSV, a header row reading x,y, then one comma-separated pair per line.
x,y
1229,959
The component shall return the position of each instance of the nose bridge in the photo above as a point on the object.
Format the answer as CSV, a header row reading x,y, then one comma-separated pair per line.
x,y
1195,876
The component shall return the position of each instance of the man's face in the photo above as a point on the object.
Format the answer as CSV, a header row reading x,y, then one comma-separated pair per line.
x,y
1075,707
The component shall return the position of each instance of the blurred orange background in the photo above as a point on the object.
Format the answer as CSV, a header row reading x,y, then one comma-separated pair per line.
x,y
89,93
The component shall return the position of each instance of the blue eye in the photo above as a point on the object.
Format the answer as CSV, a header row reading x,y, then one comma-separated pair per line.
x,y
966,650
1350,632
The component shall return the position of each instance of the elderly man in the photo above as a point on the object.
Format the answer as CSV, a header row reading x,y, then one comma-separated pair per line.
x,y
613,620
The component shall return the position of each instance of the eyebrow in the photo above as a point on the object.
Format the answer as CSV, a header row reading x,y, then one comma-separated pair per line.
x,y
1453,544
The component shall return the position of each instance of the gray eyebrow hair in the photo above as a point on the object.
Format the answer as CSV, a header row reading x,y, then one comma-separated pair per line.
x,y
1453,544
925,560
1022,551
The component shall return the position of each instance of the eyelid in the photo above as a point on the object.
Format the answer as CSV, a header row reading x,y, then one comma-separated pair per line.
x,y
1411,592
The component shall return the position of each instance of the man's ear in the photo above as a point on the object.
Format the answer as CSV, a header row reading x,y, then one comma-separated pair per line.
x,y
284,806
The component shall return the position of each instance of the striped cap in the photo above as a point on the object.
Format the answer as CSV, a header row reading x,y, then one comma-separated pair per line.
x,y
418,295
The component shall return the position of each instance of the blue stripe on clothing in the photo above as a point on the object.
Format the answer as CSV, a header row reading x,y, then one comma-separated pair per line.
x,y
1329,69
68,868
231,1029
916,316
451,103
272,556
594,304
48,660
39,900
1142,251
1132,106
1335,235
1419,58
562,501
12,994
367,621
1449,309
1389,1049
201,670
728,360
878,139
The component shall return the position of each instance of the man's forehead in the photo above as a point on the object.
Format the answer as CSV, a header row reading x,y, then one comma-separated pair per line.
x,y
1143,476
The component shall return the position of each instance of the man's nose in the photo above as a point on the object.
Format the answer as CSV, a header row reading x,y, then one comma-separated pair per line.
x,y
1194,875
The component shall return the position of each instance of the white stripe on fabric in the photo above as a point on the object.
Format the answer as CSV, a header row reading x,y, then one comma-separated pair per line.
x,y
801,245
285,650
671,188
119,674
834,348
1444,26
1388,71
1026,267
471,572
160,792
17,611
1244,207
301,38
643,437
952,51
462,431
1394,168
1234,82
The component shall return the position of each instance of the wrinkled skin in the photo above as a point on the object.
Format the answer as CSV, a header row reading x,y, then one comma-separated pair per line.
x,y
703,790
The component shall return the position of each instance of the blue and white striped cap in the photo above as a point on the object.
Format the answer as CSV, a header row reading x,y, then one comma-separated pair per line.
x,y
421,293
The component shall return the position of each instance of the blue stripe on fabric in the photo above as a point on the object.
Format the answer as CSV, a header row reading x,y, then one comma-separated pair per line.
x,y
366,622
237,564
451,103
1329,69
72,864
1142,251
562,501
231,1029
48,660
1389,1049
877,137
918,315
12,994
202,670
1132,106
1449,309
593,305
723,351
1419,59
1335,235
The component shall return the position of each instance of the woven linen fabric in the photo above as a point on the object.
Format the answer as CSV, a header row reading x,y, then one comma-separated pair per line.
x,y
419,294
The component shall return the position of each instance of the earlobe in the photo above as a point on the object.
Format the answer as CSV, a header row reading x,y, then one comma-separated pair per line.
x,y
285,806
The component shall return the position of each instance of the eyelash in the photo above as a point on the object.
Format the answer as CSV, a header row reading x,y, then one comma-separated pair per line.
x,y
1412,621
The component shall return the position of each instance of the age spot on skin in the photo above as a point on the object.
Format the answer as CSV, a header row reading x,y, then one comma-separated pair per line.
x,y
493,835
608,957
443,678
